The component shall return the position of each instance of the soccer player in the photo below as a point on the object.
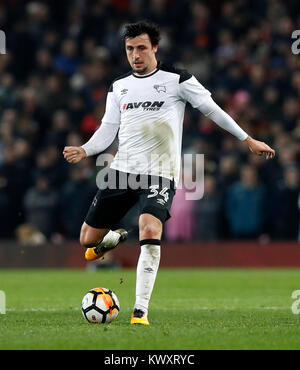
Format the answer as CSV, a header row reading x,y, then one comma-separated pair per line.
x,y
145,107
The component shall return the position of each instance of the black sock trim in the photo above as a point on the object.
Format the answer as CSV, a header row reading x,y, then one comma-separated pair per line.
x,y
150,241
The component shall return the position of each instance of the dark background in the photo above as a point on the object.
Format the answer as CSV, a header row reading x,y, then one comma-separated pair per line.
x,y
61,58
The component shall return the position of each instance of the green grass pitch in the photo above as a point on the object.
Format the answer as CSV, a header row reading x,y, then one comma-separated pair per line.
x,y
190,309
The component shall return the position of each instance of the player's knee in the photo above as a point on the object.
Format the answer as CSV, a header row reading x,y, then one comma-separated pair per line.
x,y
86,239
150,230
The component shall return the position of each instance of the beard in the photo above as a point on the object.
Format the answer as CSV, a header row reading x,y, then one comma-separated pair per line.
x,y
140,71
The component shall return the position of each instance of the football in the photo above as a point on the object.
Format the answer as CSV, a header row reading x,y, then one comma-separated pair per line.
x,y
100,306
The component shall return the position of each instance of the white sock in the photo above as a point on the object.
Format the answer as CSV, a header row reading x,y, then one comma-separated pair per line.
x,y
111,239
146,274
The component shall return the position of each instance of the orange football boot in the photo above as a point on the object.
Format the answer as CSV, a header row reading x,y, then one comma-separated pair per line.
x,y
139,317
92,254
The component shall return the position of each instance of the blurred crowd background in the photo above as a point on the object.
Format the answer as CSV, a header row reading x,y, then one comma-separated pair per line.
x,y
61,58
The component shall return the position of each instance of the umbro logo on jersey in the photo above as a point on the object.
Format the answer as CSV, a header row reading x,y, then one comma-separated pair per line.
x,y
147,105
124,91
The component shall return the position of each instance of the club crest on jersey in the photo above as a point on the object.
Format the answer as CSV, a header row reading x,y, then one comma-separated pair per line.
x,y
146,105
160,88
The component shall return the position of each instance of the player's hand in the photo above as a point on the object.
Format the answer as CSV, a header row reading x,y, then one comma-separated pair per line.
x,y
74,154
260,148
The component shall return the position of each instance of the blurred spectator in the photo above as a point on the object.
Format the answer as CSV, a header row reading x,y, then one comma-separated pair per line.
x,y
76,109
227,175
62,57
54,97
90,122
75,199
228,171
49,164
285,199
59,130
14,182
8,96
7,221
41,206
206,212
44,63
245,208
290,112
67,61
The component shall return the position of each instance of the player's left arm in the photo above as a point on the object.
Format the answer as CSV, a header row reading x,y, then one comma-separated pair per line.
x,y
199,97
212,110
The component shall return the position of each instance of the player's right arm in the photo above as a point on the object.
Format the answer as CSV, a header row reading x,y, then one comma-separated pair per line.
x,y
103,137
74,154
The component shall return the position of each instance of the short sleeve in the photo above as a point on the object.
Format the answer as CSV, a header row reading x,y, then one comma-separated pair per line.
x,y
190,90
112,108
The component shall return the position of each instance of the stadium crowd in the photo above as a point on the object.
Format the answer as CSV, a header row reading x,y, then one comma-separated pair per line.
x,y
60,60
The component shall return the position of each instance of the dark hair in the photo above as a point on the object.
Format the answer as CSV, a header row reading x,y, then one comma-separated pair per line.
x,y
135,29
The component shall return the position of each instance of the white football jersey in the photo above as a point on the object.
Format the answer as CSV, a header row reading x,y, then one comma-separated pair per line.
x,y
150,110
147,112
